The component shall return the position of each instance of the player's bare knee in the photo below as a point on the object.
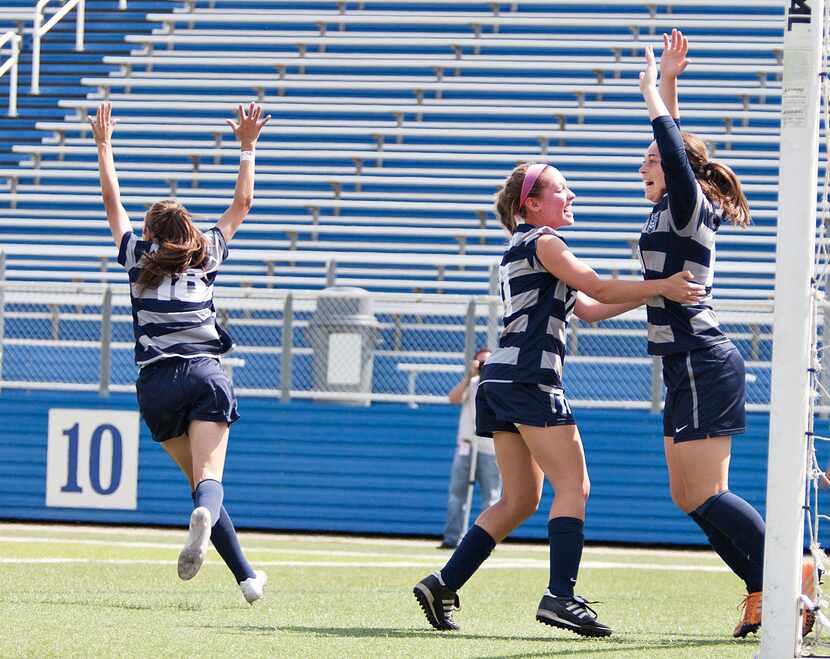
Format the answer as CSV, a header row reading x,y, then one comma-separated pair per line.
x,y
685,506
685,500
523,506
575,492
679,500
678,494
697,498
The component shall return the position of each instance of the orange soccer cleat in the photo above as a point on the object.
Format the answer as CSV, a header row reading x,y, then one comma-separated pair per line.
x,y
809,586
751,617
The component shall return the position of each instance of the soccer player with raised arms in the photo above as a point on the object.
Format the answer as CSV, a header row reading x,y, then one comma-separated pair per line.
x,y
702,369
184,395
521,402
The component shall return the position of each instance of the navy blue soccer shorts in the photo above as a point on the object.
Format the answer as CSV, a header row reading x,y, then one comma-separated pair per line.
x,y
705,393
173,392
500,406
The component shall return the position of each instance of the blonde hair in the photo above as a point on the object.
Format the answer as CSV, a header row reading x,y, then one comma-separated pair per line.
x,y
181,244
719,182
509,196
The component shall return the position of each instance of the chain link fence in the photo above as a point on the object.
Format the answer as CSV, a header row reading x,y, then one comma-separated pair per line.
x,y
342,344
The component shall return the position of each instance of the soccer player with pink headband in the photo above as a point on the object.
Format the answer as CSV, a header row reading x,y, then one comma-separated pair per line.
x,y
521,401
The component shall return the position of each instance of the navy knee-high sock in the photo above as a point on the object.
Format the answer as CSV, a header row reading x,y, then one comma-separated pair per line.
x,y
566,541
223,536
471,552
209,493
723,546
735,519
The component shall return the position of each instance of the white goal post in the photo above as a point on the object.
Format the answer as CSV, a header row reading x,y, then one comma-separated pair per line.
x,y
792,336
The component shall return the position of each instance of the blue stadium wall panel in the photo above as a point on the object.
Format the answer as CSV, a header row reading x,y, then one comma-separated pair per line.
x,y
379,469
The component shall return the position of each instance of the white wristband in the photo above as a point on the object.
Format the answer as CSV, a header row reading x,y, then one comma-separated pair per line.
x,y
246,155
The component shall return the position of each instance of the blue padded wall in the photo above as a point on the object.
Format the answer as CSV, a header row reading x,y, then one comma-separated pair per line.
x,y
378,469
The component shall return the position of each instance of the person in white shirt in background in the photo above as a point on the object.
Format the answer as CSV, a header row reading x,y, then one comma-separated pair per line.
x,y
475,457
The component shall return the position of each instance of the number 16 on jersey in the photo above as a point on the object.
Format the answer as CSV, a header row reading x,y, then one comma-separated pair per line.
x,y
92,459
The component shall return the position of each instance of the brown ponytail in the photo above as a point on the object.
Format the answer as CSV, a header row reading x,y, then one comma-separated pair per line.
x,y
181,244
509,195
719,182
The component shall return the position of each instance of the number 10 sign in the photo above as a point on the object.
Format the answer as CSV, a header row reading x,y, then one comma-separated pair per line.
x,y
92,460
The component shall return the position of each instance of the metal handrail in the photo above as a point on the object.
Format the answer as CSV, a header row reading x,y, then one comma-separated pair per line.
x,y
40,30
10,66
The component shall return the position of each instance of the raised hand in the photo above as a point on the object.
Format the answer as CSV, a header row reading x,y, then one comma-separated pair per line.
x,y
102,123
648,77
248,125
673,59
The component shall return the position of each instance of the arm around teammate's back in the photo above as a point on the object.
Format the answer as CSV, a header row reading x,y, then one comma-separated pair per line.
x,y
562,264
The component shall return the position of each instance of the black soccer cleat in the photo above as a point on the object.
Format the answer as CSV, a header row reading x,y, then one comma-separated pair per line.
x,y
571,613
437,601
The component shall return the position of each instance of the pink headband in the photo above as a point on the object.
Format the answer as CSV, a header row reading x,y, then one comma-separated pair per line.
x,y
531,176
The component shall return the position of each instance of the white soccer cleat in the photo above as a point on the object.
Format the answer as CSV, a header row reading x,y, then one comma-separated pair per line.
x,y
195,549
254,588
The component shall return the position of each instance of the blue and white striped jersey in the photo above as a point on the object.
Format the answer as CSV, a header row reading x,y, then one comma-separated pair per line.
x,y
537,307
679,235
178,318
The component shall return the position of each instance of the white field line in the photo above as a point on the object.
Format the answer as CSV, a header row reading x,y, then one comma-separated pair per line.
x,y
127,544
296,538
124,544
494,564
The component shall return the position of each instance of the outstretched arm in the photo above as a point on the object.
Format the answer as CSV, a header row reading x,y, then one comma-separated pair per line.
x,y
247,131
102,126
591,311
672,63
562,264
680,179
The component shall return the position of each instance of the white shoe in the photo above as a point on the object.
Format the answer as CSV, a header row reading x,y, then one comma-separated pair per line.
x,y
195,549
253,588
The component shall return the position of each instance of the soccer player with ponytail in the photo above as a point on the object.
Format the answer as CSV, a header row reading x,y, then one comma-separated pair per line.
x,y
184,395
702,369
521,402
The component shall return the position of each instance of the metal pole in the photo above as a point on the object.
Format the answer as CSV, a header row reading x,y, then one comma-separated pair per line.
x,y
493,310
56,321
79,27
573,336
792,329
287,343
756,343
16,39
413,375
471,484
470,333
106,343
36,51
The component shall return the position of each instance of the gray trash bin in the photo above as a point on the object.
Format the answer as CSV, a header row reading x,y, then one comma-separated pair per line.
x,y
343,333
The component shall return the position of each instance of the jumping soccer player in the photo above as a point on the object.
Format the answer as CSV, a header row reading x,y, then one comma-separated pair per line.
x,y
703,370
184,395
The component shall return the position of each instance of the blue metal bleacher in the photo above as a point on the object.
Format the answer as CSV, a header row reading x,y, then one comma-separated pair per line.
x,y
394,123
